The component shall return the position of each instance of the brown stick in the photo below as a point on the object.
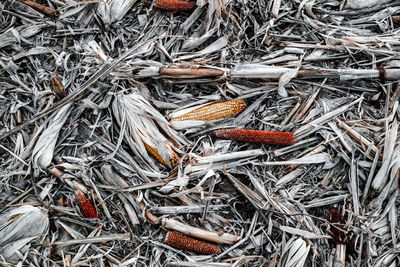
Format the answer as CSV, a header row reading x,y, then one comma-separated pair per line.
x,y
174,72
48,11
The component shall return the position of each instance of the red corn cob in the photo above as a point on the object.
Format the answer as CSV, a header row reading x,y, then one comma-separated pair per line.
x,y
174,5
190,244
84,205
253,136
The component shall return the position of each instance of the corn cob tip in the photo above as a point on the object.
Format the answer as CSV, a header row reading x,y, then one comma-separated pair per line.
x,y
84,205
173,157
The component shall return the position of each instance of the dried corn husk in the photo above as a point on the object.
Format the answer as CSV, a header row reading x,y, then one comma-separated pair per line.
x,y
359,4
18,227
13,35
43,152
140,123
114,10
295,253
388,159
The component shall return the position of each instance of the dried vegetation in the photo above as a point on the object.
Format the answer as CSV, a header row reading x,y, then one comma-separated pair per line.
x,y
122,141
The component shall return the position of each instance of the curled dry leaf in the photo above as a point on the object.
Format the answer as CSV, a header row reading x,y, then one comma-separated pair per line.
x,y
57,87
18,228
43,152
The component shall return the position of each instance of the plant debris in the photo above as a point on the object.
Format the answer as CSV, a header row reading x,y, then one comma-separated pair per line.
x,y
259,133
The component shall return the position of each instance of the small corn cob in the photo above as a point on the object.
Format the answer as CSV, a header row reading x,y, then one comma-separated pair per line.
x,y
253,136
84,205
173,157
190,244
214,111
174,5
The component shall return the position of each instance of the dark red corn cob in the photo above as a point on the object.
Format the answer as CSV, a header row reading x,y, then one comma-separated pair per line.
x,y
190,244
84,205
254,136
174,5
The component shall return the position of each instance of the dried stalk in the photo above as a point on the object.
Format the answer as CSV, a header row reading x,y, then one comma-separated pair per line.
x,y
216,237
92,240
48,11
259,71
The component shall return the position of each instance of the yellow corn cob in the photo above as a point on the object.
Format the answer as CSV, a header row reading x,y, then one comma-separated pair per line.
x,y
173,157
214,111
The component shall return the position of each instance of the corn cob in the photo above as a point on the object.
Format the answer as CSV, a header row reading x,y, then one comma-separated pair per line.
x,y
173,157
190,244
214,111
174,5
264,137
84,205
